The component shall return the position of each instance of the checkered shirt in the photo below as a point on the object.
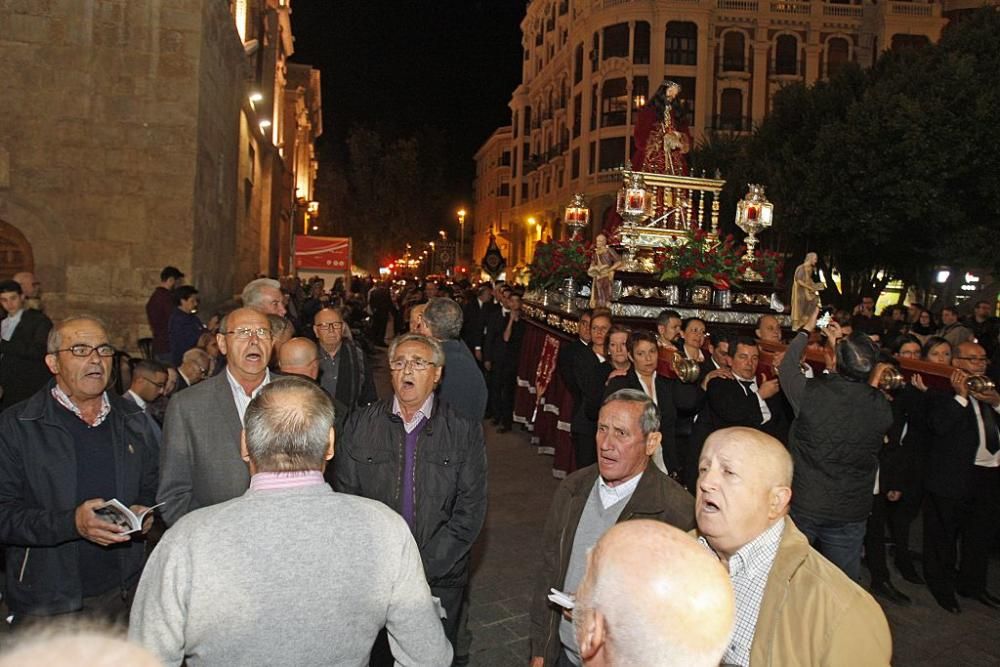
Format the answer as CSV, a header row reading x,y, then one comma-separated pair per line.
x,y
65,401
748,570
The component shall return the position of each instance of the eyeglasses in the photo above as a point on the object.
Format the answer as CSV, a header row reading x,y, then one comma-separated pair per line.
x,y
244,333
203,371
83,350
981,360
415,364
333,326
158,385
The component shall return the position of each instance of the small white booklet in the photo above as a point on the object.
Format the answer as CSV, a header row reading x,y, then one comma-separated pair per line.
x,y
115,512
564,600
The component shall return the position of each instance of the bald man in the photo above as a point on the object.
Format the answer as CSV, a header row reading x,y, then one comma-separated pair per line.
x,y
652,596
299,356
56,647
793,607
417,320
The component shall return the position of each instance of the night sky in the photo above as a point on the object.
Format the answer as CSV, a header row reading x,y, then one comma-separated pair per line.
x,y
445,64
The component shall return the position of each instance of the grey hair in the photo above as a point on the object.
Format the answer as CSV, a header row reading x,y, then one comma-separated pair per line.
x,y
196,354
444,318
278,324
251,293
287,426
437,352
649,421
55,339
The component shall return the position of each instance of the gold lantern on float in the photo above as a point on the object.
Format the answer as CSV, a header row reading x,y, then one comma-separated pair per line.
x,y
577,215
754,214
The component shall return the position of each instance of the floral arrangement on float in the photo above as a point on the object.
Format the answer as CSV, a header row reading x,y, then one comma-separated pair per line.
x,y
703,258
556,261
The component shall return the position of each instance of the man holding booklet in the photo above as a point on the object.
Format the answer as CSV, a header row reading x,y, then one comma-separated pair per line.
x,y
64,454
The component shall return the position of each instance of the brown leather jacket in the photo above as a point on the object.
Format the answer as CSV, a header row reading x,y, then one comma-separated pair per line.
x,y
656,497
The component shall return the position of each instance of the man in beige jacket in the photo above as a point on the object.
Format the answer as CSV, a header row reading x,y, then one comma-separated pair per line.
x,y
793,607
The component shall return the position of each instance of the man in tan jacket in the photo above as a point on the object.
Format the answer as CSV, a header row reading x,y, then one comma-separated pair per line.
x,y
793,607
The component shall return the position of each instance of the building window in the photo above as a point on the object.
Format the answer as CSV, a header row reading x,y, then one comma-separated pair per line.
x,y
614,102
595,51
563,7
640,93
577,114
731,110
612,154
838,53
578,64
524,192
592,158
504,189
527,120
682,43
593,107
615,41
640,43
513,166
685,101
734,52
514,124
575,164
786,55
505,159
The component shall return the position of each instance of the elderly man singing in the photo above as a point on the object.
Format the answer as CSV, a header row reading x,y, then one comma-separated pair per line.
x,y
418,456
793,607
249,581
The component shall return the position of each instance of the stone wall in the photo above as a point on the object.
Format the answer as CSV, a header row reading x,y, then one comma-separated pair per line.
x,y
120,120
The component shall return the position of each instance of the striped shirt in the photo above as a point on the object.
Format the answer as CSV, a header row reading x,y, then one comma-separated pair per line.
x,y
748,571
240,397
65,401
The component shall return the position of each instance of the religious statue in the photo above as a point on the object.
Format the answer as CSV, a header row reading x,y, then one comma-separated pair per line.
x,y
602,269
805,292
662,142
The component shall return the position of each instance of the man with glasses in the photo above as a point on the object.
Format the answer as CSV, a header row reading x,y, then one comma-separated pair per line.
x,y
344,371
23,333
194,368
149,379
418,456
63,452
200,462
962,484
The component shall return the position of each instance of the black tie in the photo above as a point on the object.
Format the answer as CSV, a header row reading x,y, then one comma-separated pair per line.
x,y
747,386
989,427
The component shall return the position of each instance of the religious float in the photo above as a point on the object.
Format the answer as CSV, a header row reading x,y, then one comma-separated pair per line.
x,y
666,252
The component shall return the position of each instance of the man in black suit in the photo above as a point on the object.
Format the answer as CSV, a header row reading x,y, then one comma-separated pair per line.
x,y
23,336
474,317
496,320
643,351
569,352
742,400
504,354
962,484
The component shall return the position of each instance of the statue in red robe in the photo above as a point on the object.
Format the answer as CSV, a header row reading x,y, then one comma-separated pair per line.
x,y
662,137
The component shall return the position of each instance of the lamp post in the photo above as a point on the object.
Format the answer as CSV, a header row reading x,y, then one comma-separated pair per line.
x,y
461,234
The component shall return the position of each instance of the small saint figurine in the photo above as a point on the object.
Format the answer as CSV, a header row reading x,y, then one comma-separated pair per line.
x,y
602,269
805,292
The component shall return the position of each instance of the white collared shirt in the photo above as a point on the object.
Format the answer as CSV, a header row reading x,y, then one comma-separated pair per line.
x,y
137,399
765,412
614,494
749,569
240,397
983,456
425,411
650,389
10,323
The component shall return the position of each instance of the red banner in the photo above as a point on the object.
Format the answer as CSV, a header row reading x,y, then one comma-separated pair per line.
x,y
325,253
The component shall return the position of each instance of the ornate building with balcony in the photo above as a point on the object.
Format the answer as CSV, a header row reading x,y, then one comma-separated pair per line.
x,y
589,66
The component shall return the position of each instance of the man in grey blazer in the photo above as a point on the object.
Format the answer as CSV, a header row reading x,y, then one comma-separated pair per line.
x,y
200,462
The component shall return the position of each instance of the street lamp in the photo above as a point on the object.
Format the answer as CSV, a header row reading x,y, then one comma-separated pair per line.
x,y
461,234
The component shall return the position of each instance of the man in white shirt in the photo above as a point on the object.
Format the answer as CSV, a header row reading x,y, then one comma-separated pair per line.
x,y
149,379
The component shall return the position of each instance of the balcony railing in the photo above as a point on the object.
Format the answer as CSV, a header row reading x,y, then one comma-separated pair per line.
x,y
843,11
911,9
791,8
738,5
732,124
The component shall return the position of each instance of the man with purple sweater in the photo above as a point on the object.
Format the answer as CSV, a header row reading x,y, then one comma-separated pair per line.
x,y
417,455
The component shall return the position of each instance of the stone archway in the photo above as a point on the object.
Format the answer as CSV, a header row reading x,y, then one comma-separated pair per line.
x,y
15,252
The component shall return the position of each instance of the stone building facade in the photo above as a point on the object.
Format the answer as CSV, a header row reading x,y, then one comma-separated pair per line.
x,y
127,132
590,65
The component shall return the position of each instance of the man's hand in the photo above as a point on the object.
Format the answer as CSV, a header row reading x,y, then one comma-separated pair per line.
x,y
537,661
810,324
876,377
990,397
717,373
479,355
618,372
918,382
767,388
833,333
147,521
488,365
958,383
893,496
95,529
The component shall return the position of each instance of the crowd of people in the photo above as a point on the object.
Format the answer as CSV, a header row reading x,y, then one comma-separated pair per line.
x,y
267,488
